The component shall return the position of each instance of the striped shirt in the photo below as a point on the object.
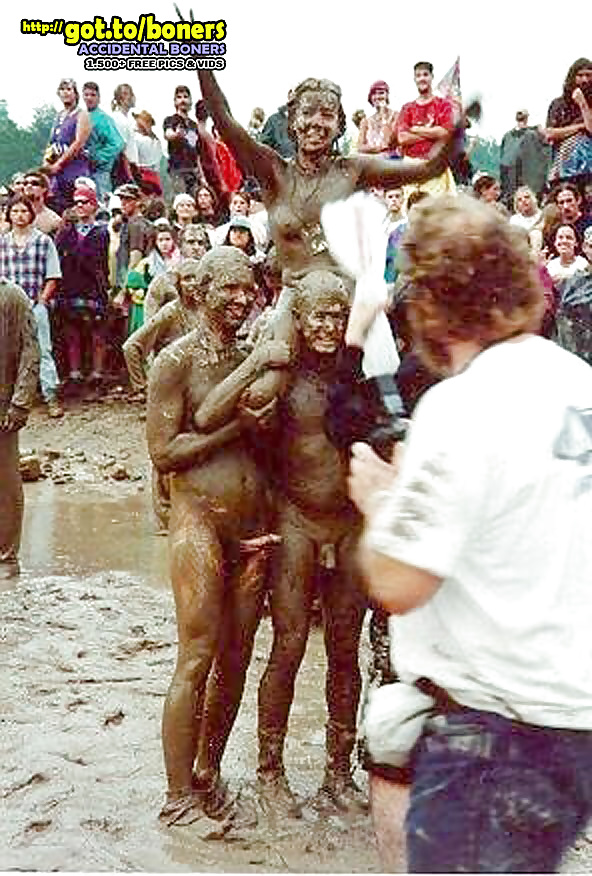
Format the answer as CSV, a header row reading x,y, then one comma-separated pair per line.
x,y
31,265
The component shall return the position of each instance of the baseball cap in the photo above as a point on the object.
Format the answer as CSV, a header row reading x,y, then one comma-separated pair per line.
x,y
239,222
128,190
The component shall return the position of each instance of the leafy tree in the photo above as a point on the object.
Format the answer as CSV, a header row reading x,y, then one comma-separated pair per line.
x,y
22,148
40,129
484,154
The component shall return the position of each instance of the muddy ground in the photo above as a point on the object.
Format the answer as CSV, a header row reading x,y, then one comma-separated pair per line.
x,y
87,646
86,652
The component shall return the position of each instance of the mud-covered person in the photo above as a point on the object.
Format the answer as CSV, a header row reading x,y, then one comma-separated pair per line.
x,y
197,434
19,373
318,525
175,319
193,243
295,191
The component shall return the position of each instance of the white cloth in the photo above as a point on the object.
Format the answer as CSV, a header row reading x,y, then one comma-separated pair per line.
x,y
149,151
126,126
489,499
557,271
527,222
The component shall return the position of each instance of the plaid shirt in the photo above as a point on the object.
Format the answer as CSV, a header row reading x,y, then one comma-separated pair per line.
x,y
30,266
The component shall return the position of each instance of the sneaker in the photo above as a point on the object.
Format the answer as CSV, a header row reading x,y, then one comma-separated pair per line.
x,y
54,409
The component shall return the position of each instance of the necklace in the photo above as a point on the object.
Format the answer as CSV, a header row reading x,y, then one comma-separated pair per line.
x,y
306,186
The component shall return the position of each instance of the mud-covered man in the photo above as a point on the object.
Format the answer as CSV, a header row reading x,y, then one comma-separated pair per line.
x,y
197,433
19,372
318,525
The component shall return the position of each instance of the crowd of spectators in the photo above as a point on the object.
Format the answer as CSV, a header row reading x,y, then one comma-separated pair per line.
x,y
90,238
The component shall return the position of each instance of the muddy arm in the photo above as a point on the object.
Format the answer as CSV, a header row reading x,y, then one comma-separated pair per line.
x,y
254,158
27,376
170,448
140,344
221,402
376,171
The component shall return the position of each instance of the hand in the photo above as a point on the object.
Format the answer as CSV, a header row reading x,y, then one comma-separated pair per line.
x,y
369,474
257,418
14,419
578,97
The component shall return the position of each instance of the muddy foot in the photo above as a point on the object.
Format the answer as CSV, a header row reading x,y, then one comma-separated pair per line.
x,y
216,801
182,810
276,797
340,794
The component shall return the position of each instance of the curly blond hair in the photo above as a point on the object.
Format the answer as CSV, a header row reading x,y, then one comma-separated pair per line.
x,y
472,275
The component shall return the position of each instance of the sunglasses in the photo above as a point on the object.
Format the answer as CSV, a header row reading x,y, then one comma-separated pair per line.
x,y
32,182
81,201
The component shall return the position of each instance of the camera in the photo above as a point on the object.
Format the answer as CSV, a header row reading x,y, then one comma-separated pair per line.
x,y
364,409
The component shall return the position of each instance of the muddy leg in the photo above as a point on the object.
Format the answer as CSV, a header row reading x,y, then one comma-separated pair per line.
x,y
11,504
291,600
242,610
197,579
344,606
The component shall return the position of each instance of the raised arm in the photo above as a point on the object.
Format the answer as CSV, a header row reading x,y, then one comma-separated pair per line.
x,y
372,170
254,158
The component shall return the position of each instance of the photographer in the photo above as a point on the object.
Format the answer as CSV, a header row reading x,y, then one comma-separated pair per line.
x,y
478,539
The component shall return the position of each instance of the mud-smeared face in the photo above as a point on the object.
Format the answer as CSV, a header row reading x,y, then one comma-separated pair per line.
x,y
231,301
193,243
230,285
188,285
322,309
316,121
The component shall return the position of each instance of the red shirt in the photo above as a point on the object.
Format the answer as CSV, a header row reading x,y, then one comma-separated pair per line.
x,y
436,113
229,169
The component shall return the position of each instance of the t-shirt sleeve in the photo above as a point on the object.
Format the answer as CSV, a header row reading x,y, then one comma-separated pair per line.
x,y
427,517
140,237
556,114
53,270
444,115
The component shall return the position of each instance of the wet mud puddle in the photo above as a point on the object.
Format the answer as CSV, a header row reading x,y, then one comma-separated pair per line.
x,y
87,648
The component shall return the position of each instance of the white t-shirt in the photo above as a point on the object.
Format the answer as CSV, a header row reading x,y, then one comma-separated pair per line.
x,y
126,126
527,222
495,497
557,271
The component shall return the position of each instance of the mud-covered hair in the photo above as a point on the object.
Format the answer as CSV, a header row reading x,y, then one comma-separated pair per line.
x,y
472,275
218,264
318,286
320,85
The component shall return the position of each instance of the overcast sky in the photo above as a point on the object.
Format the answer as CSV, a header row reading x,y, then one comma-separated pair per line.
x,y
515,54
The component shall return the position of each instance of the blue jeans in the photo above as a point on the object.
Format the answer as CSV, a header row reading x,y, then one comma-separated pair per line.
x,y
48,375
102,180
490,795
